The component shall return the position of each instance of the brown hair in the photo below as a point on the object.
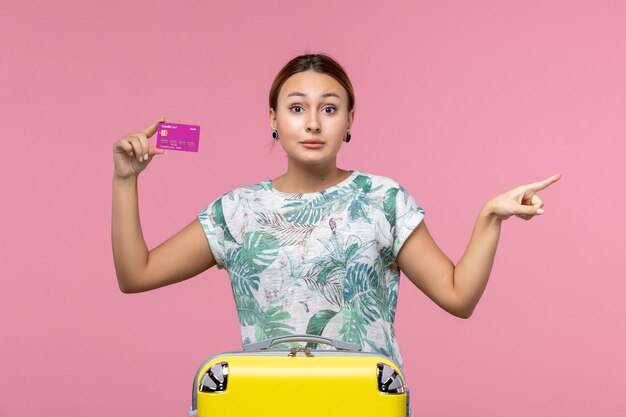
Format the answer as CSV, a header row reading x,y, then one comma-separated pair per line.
x,y
321,63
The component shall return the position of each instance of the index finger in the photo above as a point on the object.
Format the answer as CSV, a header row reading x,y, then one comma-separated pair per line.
x,y
151,130
540,185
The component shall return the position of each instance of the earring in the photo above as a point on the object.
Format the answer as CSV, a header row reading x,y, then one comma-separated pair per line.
x,y
275,134
348,137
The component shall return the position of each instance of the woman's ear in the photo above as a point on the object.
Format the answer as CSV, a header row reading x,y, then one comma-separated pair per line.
x,y
350,119
272,118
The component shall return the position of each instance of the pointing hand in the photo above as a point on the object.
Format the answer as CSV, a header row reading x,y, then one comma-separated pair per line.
x,y
521,201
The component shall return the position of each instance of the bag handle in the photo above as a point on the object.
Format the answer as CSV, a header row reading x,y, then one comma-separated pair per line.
x,y
337,344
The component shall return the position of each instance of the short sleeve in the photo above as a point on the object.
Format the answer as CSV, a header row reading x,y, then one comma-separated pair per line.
x,y
406,215
214,226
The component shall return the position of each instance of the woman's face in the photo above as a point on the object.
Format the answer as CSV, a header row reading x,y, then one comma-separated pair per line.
x,y
311,117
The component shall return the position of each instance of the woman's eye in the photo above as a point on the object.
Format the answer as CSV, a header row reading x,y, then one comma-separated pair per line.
x,y
329,109
296,108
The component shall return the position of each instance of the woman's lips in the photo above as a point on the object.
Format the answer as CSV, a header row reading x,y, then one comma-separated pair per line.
x,y
312,143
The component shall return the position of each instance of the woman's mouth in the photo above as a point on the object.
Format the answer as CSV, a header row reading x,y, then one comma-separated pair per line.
x,y
312,143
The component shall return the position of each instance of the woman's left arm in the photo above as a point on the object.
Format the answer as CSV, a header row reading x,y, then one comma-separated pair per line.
x,y
457,289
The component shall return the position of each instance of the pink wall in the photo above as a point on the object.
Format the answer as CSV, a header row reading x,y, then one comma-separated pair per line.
x,y
464,100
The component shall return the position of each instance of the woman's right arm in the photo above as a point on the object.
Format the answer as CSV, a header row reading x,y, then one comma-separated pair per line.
x,y
180,257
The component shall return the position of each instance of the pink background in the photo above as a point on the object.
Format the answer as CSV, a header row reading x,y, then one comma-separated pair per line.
x,y
458,101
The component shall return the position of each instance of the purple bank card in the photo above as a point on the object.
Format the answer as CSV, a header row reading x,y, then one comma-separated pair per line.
x,y
178,137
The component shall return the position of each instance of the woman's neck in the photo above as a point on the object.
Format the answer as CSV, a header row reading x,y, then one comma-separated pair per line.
x,y
308,179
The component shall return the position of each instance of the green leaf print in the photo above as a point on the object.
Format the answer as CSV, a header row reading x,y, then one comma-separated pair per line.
x,y
387,299
358,208
317,323
259,251
329,270
351,250
218,216
387,350
389,205
328,286
379,350
363,182
385,256
312,211
241,279
386,294
287,233
353,329
361,290
255,187
248,309
361,204
272,322
319,320
342,252
405,193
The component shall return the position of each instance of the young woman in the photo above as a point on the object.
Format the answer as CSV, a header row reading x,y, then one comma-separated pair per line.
x,y
319,249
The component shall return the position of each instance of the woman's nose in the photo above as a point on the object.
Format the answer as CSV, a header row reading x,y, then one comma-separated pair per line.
x,y
312,123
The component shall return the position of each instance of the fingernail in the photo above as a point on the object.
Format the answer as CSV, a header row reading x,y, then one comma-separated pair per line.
x,y
540,211
140,158
145,157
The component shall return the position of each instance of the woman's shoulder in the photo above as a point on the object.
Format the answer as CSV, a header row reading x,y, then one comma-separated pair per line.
x,y
247,190
379,180
244,192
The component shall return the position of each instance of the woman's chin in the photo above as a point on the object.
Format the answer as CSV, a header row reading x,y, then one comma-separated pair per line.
x,y
311,159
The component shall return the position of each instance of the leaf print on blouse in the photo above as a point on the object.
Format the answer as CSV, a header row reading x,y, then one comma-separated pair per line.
x,y
388,299
246,189
360,203
363,298
217,212
268,322
389,205
385,257
361,292
272,322
242,282
387,351
288,233
353,329
410,207
317,323
329,287
248,309
312,211
329,270
319,320
389,280
258,251
364,183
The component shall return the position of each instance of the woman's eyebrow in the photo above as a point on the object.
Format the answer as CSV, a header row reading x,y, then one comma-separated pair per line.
x,y
297,93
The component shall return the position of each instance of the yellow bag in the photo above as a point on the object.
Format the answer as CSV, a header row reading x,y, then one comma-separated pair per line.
x,y
263,382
